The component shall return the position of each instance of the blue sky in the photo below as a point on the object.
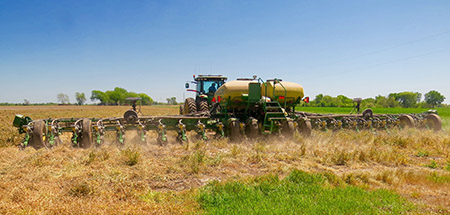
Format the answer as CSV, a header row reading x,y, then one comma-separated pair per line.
x,y
355,48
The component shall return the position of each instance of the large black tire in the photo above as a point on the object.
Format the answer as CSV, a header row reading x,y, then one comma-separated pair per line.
x,y
304,127
406,121
434,122
235,133
86,138
189,106
203,106
37,140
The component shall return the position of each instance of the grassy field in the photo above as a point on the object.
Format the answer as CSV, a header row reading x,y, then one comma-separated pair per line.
x,y
298,193
399,171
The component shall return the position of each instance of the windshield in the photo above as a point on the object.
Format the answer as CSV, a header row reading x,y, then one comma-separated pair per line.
x,y
209,87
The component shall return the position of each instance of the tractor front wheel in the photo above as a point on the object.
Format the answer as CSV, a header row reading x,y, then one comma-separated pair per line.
x,y
189,106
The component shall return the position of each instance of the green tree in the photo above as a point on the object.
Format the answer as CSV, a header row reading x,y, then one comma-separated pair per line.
x,y
118,96
407,99
328,101
146,100
318,100
80,97
131,94
123,94
344,101
368,103
382,101
434,98
114,96
100,96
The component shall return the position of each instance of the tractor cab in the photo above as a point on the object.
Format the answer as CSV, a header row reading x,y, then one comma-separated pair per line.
x,y
205,87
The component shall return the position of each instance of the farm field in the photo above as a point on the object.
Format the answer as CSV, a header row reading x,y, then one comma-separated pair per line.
x,y
383,172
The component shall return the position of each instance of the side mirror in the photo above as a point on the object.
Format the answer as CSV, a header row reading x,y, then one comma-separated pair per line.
x,y
186,85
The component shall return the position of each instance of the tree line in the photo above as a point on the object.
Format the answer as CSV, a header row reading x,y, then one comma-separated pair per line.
x,y
402,99
118,96
109,97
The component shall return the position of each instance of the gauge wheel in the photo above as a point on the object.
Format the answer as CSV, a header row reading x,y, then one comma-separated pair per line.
x,y
304,127
38,137
235,134
252,128
406,121
434,122
288,129
86,138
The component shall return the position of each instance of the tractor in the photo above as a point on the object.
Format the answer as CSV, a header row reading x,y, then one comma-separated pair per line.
x,y
239,109
205,87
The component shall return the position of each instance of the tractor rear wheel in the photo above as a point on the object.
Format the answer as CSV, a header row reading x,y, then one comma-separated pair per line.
x,y
304,127
189,106
434,122
406,121
86,138
37,137
203,106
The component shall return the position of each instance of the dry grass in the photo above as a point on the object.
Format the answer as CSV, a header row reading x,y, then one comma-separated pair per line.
x,y
150,179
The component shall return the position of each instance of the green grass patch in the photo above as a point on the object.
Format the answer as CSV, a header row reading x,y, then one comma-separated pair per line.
x,y
131,156
436,178
299,193
432,165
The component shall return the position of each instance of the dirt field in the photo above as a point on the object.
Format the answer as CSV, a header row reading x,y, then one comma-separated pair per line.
x,y
148,178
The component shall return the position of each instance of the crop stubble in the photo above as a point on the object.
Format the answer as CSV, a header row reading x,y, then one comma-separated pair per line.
x,y
138,178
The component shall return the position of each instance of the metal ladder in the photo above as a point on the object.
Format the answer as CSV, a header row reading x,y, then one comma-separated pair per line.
x,y
273,112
